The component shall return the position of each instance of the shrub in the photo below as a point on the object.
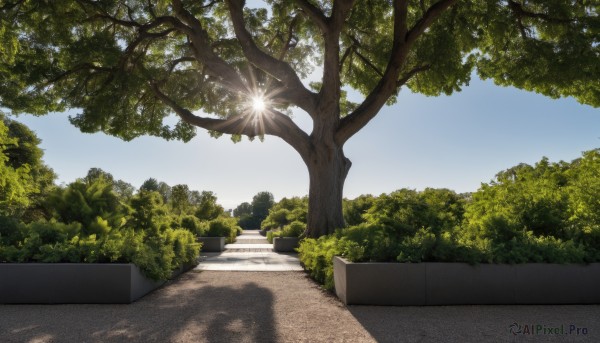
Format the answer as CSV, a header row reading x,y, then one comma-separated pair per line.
x,y
354,210
286,211
221,227
157,254
294,229
317,255
192,224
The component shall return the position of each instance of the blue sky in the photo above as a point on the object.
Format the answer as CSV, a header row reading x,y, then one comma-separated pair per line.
x,y
455,142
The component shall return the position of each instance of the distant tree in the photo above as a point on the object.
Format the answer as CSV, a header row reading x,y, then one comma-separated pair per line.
x,y
261,204
207,207
242,209
124,190
286,211
234,70
96,173
165,191
150,185
180,199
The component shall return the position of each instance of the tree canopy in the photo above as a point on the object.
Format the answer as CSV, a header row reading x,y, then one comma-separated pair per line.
x,y
126,65
129,64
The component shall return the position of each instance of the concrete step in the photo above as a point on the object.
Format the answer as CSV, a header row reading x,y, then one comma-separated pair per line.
x,y
249,246
240,240
249,261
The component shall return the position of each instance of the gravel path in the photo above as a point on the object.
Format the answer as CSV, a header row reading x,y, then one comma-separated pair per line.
x,y
214,306
207,306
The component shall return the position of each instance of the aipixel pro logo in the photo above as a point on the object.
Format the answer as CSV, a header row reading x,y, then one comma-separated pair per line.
x,y
539,329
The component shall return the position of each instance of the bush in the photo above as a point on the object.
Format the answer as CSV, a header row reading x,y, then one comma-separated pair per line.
x,y
294,229
221,227
285,212
192,224
373,243
156,254
317,255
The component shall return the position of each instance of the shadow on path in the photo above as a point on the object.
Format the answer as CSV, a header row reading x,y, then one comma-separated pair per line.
x,y
191,309
478,323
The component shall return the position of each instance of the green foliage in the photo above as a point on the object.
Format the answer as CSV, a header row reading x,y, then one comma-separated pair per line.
x,y
150,185
354,210
285,212
157,255
546,213
192,224
242,209
206,207
293,229
94,219
24,153
16,182
148,212
85,202
317,256
124,190
261,204
250,216
180,199
221,227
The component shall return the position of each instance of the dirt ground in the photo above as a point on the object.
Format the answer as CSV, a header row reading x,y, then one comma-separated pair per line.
x,y
212,306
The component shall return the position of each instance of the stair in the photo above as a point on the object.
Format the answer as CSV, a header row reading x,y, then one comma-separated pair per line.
x,y
250,252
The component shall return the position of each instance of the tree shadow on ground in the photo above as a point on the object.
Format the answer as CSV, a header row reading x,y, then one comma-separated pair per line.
x,y
474,323
188,309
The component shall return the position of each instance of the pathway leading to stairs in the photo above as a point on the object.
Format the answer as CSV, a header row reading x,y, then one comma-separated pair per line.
x,y
251,252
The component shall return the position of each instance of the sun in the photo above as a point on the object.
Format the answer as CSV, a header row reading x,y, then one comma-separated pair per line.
x,y
258,104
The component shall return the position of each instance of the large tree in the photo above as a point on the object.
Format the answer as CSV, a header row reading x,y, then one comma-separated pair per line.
x,y
231,69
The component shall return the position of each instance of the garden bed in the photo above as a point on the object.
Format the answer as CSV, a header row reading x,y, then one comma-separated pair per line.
x,y
285,244
430,283
212,244
73,283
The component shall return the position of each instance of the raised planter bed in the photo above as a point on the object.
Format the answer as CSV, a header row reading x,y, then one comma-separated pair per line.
x,y
212,244
430,283
73,283
285,244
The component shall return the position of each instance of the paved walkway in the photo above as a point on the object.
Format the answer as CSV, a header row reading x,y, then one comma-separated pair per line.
x,y
251,252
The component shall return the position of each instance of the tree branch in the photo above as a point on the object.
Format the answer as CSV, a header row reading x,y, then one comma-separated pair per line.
x,y
271,122
521,12
433,12
290,37
389,83
411,73
299,95
9,6
329,96
201,47
368,63
340,11
314,13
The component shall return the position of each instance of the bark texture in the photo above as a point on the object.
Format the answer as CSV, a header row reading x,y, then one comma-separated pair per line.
x,y
327,168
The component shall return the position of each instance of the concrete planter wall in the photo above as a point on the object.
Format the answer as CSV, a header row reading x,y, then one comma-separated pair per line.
x,y
212,244
285,244
403,284
72,283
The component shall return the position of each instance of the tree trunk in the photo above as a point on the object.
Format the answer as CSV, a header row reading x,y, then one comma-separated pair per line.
x,y
327,168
